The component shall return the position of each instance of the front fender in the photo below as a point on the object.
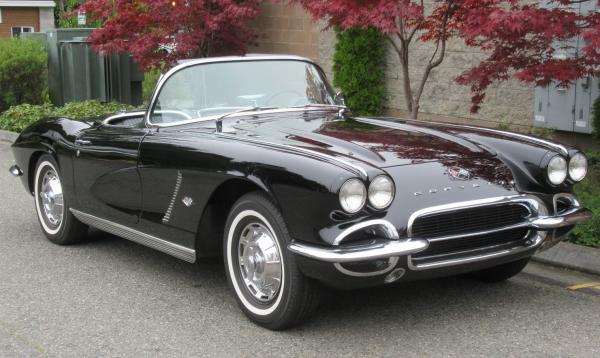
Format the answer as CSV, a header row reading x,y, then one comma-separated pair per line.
x,y
54,136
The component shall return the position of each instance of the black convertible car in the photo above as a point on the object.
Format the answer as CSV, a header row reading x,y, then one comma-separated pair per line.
x,y
256,158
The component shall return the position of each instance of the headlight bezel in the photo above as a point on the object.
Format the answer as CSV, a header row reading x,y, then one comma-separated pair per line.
x,y
345,188
370,192
565,170
570,169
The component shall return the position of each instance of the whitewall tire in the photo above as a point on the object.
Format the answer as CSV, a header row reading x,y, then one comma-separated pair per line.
x,y
52,204
262,273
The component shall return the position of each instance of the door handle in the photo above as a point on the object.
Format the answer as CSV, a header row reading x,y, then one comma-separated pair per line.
x,y
82,142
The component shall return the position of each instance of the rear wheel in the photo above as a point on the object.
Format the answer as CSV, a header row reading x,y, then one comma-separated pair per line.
x,y
52,205
262,273
502,272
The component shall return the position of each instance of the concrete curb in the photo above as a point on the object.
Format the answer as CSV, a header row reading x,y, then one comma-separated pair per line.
x,y
8,136
571,256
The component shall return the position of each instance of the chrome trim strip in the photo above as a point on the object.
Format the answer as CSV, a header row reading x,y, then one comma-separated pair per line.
x,y
124,115
139,237
387,226
378,249
570,197
506,252
392,262
167,216
330,158
568,218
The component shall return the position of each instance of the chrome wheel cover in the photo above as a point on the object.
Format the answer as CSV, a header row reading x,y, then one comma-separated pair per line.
x,y
259,262
51,198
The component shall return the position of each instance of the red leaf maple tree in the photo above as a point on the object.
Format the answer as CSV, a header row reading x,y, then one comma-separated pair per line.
x,y
521,39
158,32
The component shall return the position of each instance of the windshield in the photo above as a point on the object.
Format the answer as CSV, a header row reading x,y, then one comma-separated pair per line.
x,y
207,91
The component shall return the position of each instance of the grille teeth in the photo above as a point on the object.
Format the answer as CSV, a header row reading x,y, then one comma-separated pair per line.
x,y
470,220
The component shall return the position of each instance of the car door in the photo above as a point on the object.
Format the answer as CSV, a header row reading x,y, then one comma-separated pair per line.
x,y
107,180
178,176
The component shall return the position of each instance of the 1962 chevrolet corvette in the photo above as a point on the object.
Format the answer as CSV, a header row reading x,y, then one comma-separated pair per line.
x,y
257,158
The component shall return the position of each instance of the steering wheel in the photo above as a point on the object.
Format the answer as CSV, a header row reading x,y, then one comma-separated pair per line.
x,y
277,94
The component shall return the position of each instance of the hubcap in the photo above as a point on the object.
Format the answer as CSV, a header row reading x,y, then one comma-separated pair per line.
x,y
51,198
260,262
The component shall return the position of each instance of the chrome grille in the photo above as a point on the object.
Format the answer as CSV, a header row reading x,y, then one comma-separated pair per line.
x,y
444,247
469,220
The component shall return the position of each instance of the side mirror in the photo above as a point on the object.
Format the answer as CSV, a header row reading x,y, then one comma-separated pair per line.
x,y
339,98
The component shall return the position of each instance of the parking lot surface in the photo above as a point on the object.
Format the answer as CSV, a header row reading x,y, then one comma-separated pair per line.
x,y
110,297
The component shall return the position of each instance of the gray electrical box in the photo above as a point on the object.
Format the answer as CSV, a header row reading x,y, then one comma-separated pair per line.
x,y
567,109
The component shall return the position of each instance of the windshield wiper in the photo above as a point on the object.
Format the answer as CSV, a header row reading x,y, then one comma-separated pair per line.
x,y
220,119
342,109
321,105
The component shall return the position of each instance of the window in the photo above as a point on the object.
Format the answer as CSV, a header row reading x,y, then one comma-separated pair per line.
x,y
17,31
207,91
0,16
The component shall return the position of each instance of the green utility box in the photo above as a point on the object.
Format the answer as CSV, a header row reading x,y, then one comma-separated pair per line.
x,y
76,72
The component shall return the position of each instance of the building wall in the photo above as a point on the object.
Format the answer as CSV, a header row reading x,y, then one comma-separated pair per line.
x,y
509,102
285,29
46,19
18,16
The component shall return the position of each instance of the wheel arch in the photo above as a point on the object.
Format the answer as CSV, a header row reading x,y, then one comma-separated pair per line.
x,y
33,159
212,221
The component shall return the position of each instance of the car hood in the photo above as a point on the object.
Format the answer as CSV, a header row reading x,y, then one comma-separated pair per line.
x,y
379,143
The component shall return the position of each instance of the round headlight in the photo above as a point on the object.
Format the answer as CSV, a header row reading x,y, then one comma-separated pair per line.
x,y
381,192
353,196
557,170
578,167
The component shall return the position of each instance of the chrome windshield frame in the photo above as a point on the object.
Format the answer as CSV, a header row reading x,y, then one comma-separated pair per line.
x,y
195,62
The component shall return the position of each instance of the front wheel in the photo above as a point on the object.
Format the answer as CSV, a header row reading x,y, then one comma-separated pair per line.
x,y
262,273
502,272
52,205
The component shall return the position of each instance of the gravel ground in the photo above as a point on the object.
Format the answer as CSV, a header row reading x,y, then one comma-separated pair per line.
x,y
111,297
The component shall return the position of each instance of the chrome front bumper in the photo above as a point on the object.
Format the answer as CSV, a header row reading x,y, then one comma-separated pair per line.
x,y
391,246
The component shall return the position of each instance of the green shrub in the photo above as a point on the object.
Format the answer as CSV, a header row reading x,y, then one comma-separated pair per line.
x,y
150,80
588,192
596,116
358,66
88,109
17,118
23,72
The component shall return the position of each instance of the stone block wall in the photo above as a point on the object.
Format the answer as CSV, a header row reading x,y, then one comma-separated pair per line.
x,y
286,29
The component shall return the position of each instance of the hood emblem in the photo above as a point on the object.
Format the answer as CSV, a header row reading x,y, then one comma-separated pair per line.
x,y
458,173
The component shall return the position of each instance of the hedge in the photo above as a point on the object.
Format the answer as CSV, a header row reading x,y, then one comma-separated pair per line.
x,y
588,192
17,118
23,72
596,116
359,69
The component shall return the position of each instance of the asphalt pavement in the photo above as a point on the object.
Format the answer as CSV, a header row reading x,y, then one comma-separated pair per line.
x,y
108,297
